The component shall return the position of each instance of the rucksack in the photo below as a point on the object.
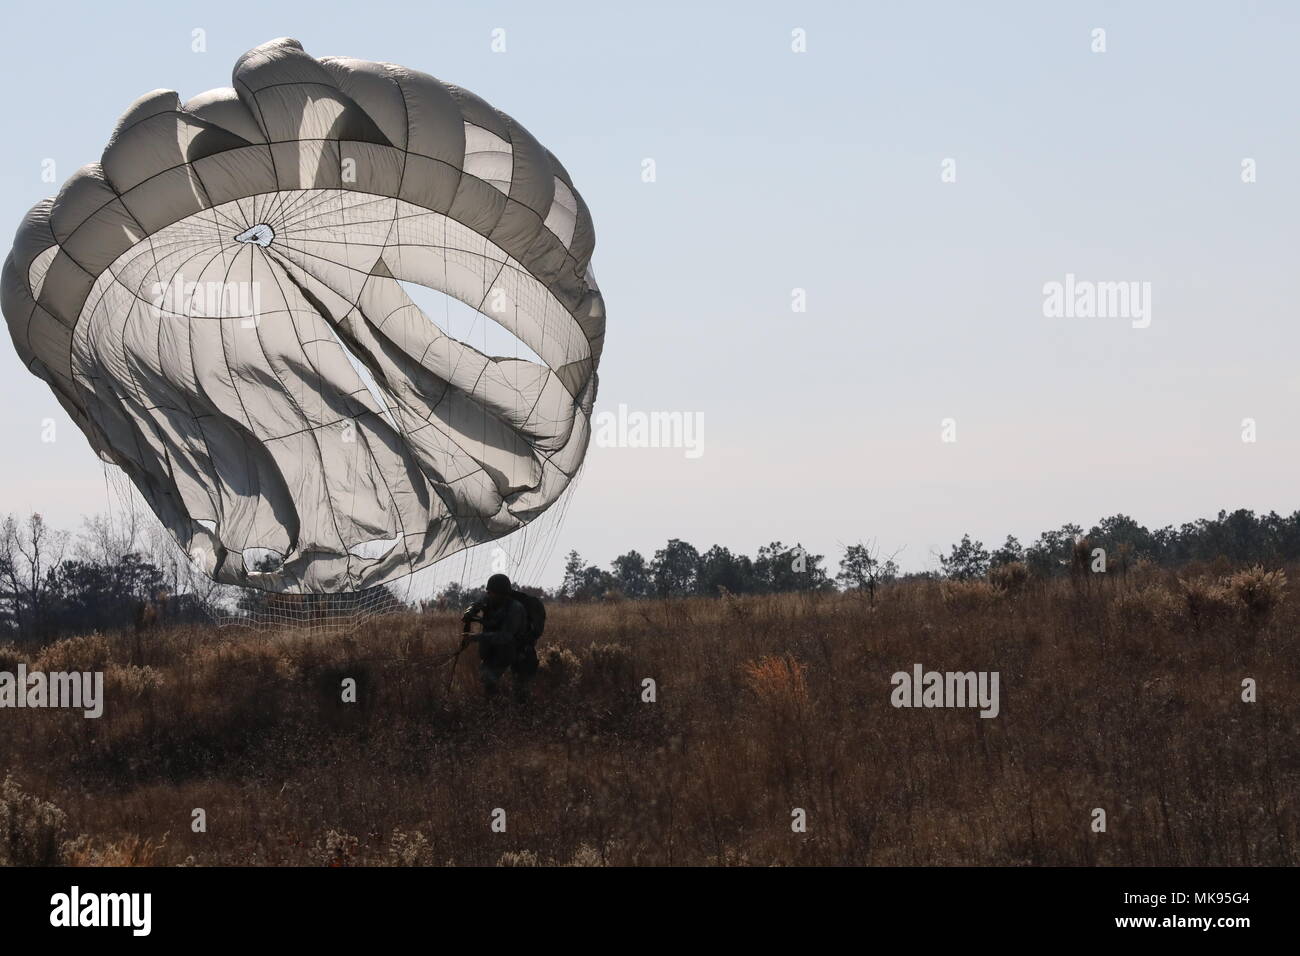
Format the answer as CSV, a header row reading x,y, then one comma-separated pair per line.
x,y
536,612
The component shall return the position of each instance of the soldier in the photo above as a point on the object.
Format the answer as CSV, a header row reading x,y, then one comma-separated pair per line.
x,y
506,641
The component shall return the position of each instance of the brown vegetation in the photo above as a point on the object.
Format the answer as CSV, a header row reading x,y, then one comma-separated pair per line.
x,y
1119,693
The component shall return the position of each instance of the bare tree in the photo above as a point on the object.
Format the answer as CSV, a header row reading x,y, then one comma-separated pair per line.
x,y
105,539
29,550
862,569
10,586
134,529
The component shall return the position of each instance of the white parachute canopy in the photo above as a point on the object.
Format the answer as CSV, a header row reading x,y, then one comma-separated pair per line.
x,y
221,304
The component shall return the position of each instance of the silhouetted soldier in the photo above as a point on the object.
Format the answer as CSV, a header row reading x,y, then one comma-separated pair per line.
x,y
506,641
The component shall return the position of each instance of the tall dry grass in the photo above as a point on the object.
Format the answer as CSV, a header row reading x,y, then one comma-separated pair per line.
x,y
1120,692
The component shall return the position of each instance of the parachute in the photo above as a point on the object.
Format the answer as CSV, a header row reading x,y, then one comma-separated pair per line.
x,y
221,304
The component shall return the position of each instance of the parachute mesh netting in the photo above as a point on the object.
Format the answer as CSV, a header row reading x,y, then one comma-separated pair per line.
x,y
223,306
189,596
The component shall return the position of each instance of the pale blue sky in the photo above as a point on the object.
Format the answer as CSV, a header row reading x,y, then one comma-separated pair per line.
x,y
821,171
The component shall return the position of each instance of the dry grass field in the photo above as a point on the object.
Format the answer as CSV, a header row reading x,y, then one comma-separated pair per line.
x,y
1118,693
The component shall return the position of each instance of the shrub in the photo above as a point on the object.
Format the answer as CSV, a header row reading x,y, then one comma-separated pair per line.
x,y
1010,578
335,849
778,682
133,680
1149,606
965,596
609,664
734,604
558,667
408,849
31,829
90,652
586,855
518,858
131,851
1144,569
1257,592
1207,601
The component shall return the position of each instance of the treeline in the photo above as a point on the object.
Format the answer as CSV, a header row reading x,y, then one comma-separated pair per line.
x,y
679,569
125,572
1238,537
111,575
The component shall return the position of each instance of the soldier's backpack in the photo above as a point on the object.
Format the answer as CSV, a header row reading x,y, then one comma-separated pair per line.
x,y
536,612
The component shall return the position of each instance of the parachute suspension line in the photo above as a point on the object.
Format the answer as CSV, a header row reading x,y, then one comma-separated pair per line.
x,y
356,453
447,337
108,500
551,534
523,423
482,261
